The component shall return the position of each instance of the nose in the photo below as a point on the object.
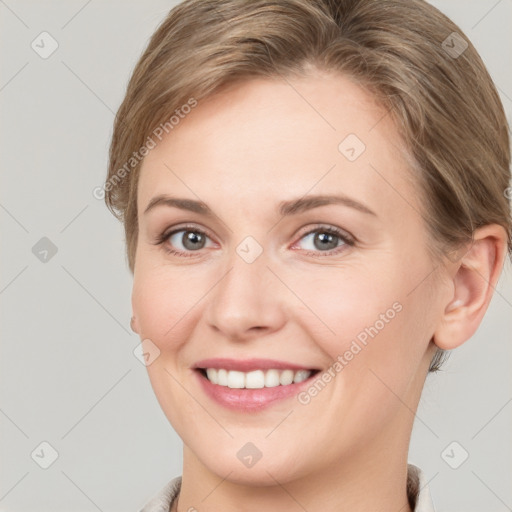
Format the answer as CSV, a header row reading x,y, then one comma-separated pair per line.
x,y
247,301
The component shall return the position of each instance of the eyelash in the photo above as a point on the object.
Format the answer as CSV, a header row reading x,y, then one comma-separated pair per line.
x,y
344,237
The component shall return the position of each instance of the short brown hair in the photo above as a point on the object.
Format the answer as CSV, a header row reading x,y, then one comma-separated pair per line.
x,y
416,62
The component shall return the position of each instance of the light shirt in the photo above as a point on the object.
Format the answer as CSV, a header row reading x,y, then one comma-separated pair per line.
x,y
417,492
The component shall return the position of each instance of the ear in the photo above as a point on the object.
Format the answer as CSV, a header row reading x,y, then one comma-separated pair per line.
x,y
134,325
474,278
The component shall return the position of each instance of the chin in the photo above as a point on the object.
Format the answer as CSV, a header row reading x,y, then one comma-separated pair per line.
x,y
263,472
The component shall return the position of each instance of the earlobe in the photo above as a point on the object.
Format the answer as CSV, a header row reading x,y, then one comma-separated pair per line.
x,y
474,280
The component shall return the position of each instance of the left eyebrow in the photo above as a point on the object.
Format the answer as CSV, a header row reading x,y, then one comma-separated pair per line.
x,y
286,208
295,206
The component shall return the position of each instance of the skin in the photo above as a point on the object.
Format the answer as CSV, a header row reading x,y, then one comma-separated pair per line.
x,y
242,152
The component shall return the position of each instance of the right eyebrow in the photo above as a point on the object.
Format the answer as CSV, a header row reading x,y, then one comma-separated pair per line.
x,y
184,204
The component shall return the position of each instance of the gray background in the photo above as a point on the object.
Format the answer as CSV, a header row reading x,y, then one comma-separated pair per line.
x,y
68,373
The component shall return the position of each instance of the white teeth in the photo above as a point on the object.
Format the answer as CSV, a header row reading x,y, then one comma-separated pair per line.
x,y
222,377
271,378
301,375
256,379
211,373
286,377
236,379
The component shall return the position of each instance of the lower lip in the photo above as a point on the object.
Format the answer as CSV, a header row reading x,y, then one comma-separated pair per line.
x,y
250,399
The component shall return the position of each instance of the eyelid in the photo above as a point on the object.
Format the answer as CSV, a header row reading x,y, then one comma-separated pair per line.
x,y
162,237
347,238
311,228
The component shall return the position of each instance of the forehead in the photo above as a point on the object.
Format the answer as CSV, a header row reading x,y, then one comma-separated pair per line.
x,y
275,139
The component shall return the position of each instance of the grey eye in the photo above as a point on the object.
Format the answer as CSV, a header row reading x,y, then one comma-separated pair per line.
x,y
189,239
321,241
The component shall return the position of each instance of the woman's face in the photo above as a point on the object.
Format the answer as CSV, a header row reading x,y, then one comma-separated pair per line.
x,y
342,286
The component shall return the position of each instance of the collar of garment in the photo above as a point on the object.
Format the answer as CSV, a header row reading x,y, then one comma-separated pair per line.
x,y
417,492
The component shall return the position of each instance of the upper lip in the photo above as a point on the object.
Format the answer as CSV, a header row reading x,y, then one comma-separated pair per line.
x,y
247,365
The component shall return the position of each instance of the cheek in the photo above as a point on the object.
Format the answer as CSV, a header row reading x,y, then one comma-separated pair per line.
x,y
165,303
348,303
367,318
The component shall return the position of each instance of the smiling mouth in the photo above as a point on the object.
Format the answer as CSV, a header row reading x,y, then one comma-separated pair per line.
x,y
256,379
